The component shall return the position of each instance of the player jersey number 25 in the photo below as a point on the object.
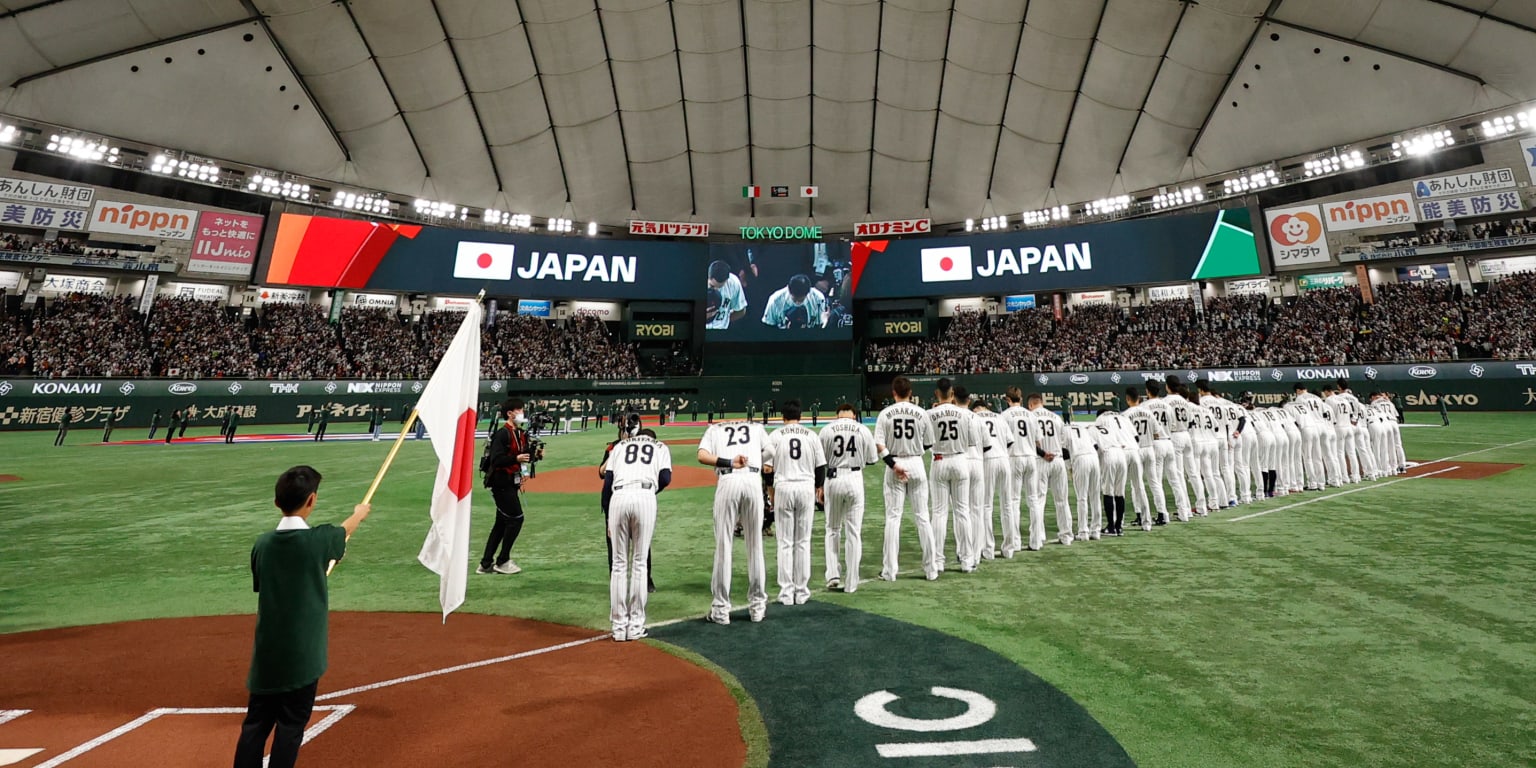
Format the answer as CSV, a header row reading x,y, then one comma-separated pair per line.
x,y
948,430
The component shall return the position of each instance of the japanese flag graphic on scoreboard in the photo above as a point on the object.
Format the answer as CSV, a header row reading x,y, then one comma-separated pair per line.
x,y
484,261
947,264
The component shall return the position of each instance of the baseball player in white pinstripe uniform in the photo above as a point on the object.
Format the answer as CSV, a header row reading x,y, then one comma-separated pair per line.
x,y
637,469
994,474
1051,466
1184,448
950,481
1167,457
849,446
794,463
903,433
976,447
1021,469
735,450
1081,441
1116,446
1148,472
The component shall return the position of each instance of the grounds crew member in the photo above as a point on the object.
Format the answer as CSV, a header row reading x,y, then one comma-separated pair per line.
x,y
325,420
170,426
288,571
849,446
154,424
234,423
58,439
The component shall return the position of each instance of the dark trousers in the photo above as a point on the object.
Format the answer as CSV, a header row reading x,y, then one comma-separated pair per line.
x,y
59,438
183,432
170,432
509,523
153,428
320,432
287,713
229,434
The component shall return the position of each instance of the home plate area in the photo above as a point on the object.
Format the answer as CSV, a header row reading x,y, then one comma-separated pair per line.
x,y
402,690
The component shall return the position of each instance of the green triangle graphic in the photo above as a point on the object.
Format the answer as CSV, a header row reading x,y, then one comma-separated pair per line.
x,y
1231,250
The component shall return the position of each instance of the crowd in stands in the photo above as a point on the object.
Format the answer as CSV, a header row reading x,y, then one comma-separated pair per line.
x,y
13,242
84,336
1442,236
1409,322
80,335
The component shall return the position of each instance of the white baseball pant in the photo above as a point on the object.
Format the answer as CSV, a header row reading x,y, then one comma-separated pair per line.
x,y
738,499
1053,480
950,484
897,495
1185,446
1021,473
1173,472
794,506
1088,482
1152,476
995,471
845,524
631,524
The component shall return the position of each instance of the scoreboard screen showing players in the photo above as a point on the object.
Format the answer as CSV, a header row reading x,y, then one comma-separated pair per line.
x,y
778,292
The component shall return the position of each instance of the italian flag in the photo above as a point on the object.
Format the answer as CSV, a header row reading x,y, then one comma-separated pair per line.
x,y
751,191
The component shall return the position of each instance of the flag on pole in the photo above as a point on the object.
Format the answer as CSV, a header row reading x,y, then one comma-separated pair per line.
x,y
751,191
449,407
810,191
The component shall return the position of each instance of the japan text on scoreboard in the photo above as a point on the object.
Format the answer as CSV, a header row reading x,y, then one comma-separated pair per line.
x,y
897,227
668,228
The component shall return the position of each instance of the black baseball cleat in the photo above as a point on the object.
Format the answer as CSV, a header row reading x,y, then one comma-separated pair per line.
x,y
1161,520
1137,522
738,530
650,586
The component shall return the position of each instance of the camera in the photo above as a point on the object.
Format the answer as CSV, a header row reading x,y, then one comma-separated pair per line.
x,y
535,450
543,421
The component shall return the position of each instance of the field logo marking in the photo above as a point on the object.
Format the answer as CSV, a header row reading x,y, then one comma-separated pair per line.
x,y
979,710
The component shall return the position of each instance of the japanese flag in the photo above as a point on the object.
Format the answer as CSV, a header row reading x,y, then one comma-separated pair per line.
x,y
945,264
449,409
484,261
810,191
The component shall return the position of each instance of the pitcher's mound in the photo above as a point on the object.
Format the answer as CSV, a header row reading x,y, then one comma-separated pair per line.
x,y
585,480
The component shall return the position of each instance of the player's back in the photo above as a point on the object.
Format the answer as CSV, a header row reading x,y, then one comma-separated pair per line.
x,y
1081,441
795,453
638,459
847,444
729,439
1048,429
1143,428
998,438
904,429
951,429
1017,420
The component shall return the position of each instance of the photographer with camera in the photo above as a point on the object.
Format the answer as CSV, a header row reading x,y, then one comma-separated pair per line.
x,y
510,449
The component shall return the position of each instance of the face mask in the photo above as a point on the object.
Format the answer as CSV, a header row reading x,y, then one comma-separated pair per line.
x,y
519,418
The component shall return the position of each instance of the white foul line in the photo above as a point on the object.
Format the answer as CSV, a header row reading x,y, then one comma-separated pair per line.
x,y
337,711
1389,482
486,662
1341,493
7,715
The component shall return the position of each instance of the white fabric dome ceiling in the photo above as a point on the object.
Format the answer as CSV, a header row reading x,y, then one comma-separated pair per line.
x,y
664,110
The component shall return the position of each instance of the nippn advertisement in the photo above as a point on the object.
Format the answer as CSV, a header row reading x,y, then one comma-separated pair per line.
x,y
1296,236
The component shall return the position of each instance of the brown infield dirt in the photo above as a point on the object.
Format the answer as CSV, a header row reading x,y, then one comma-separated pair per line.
x,y
1465,470
585,480
594,703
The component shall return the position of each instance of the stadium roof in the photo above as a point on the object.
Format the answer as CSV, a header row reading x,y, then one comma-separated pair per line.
x,y
666,109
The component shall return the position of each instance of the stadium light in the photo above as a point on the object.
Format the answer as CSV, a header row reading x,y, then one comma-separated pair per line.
x,y
365,202
507,219
591,229
8,133
1046,215
82,148
970,224
439,210
559,225
271,185
1166,199
991,223
1243,184
1108,205
1423,144
1506,124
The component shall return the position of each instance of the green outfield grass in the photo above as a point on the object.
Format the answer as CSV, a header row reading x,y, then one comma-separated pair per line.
x,y
1388,627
